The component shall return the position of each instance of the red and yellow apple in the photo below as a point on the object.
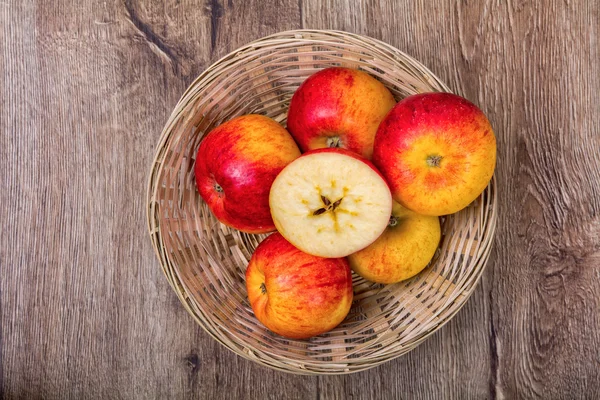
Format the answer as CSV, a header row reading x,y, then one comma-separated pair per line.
x,y
338,107
437,151
330,202
403,250
295,294
235,167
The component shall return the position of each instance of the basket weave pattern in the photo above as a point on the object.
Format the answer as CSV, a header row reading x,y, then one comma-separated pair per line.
x,y
205,261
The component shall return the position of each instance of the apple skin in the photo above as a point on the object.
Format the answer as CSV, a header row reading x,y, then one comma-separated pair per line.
x,y
235,166
294,294
403,250
437,152
338,107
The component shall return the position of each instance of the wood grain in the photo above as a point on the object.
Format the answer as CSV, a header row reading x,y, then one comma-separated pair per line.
x,y
85,88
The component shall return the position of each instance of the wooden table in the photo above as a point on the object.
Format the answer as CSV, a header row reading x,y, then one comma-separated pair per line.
x,y
85,89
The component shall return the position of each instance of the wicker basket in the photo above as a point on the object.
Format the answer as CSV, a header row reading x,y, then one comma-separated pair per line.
x,y
205,261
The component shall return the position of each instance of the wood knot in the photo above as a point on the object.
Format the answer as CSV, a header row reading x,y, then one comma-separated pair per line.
x,y
192,362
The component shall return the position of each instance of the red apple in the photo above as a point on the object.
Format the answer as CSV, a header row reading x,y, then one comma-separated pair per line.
x,y
295,294
338,107
235,167
330,202
437,152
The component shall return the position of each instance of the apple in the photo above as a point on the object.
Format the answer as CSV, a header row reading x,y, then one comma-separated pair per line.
x,y
403,250
338,107
330,202
294,294
437,151
235,166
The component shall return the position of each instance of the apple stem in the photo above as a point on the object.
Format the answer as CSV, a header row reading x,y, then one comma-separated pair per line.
x,y
334,141
218,188
263,288
434,160
393,221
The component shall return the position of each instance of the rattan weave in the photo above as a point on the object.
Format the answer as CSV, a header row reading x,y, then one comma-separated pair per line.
x,y
204,261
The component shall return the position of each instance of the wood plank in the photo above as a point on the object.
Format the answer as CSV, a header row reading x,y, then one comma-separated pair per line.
x,y
80,112
546,281
513,60
85,88
86,311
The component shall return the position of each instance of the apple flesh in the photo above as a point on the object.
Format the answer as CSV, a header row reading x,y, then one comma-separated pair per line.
x,y
294,294
235,167
330,202
403,250
437,151
338,107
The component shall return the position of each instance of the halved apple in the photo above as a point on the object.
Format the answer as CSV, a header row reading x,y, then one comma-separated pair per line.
x,y
330,202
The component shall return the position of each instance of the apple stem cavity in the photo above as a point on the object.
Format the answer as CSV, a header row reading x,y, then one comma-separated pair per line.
x,y
434,160
334,141
263,288
218,188
393,221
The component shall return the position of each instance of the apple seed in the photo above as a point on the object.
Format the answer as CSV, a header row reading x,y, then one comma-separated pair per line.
x,y
337,203
328,205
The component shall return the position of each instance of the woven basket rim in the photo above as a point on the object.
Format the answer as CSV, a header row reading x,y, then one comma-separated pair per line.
x,y
153,221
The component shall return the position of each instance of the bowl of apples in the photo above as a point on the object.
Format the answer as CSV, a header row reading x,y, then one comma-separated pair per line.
x,y
321,203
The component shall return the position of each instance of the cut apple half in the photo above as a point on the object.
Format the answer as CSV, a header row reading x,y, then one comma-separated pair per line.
x,y
330,203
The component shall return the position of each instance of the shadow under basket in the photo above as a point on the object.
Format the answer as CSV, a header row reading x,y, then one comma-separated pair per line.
x,y
205,261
